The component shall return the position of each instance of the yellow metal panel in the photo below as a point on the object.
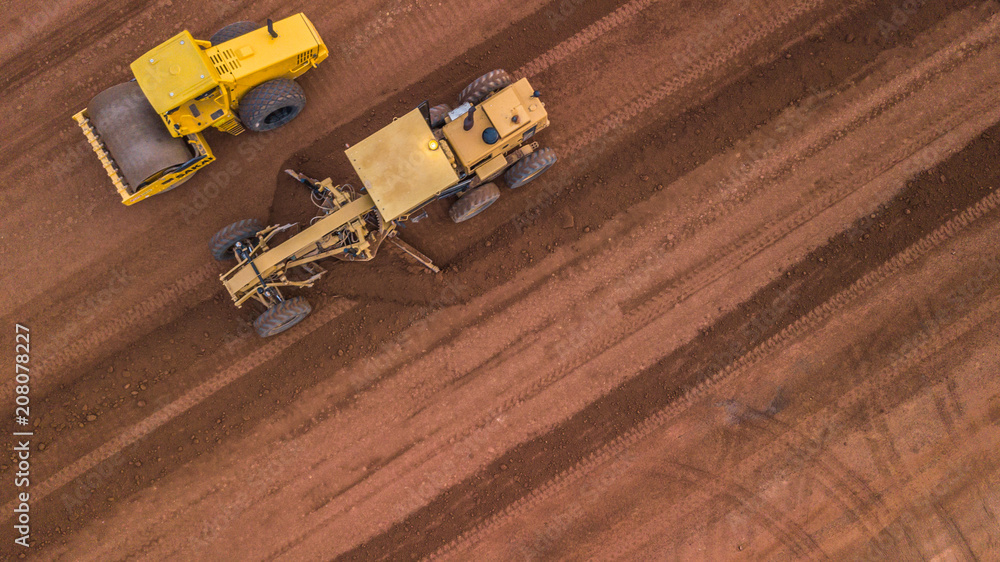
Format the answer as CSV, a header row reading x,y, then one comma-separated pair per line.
x,y
399,168
173,72
497,112
256,57
240,278
491,167
468,145
502,108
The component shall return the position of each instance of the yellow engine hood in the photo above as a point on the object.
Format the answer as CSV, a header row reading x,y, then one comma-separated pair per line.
x,y
399,168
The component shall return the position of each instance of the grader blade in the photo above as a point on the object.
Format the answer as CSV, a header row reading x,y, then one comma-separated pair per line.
x,y
136,141
413,252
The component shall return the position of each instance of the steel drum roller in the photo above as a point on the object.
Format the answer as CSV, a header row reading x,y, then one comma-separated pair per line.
x,y
134,134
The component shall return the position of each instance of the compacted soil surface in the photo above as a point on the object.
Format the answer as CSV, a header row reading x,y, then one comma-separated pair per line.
x,y
753,312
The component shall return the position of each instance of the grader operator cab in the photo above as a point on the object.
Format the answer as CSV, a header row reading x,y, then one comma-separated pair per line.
x,y
147,132
425,155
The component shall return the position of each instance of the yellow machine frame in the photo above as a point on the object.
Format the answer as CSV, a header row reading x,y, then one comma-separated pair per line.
x,y
403,167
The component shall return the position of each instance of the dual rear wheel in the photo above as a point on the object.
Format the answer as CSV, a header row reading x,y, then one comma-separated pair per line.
x,y
476,200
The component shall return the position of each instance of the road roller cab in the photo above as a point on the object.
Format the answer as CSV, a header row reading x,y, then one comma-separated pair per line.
x,y
147,132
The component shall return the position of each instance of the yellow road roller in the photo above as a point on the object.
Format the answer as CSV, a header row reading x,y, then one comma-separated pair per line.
x,y
147,133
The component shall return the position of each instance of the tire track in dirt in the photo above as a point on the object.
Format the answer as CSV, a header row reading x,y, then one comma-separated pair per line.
x,y
128,322
846,487
715,61
494,412
783,527
657,307
64,41
190,283
189,400
586,37
782,436
703,388
958,539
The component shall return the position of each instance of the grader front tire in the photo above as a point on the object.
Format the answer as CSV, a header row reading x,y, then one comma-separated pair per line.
x,y
281,317
221,245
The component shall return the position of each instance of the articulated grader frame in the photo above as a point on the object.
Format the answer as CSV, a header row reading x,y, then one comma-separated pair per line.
x,y
425,155
147,133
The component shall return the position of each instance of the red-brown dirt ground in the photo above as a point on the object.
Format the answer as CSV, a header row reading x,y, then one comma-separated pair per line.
x,y
752,313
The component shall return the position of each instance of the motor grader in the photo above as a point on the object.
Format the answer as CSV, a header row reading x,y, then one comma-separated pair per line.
x,y
425,155
147,133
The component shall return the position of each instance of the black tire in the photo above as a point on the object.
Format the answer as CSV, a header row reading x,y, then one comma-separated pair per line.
x,y
530,167
281,317
272,104
474,202
221,245
232,31
438,113
484,86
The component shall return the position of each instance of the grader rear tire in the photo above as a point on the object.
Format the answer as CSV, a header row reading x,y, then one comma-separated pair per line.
x,y
474,202
530,167
221,245
484,86
272,104
281,317
438,113
232,31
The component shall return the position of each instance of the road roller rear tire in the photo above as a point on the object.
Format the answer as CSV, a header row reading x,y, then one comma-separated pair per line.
x,y
232,31
272,104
